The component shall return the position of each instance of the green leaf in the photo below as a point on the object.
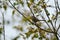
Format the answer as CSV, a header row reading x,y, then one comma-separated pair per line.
x,y
34,6
31,1
31,31
13,12
36,35
48,29
28,4
16,38
49,21
39,3
58,12
21,2
28,34
1,30
53,17
40,38
24,20
5,7
19,28
15,4
48,14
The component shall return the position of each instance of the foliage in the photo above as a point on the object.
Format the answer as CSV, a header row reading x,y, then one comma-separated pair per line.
x,y
5,7
37,13
1,30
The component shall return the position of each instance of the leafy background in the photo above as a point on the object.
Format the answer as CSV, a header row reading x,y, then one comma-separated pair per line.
x,y
17,27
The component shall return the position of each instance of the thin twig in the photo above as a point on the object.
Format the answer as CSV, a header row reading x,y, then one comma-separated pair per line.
x,y
48,15
46,22
3,25
58,28
43,29
49,19
56,12
58,5
51,22
56,35
31,11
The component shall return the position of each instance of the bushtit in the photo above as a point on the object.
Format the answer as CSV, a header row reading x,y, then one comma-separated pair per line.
x,y
34,19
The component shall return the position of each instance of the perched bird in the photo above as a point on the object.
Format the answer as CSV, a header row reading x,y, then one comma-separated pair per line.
x,y
34,19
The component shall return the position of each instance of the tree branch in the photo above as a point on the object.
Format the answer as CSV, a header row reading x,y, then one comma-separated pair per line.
x,y
56,11
47,14
3,25
46,22
31,11
29,20
58,28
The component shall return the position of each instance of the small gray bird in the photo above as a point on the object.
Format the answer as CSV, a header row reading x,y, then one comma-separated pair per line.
x,y
34,19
